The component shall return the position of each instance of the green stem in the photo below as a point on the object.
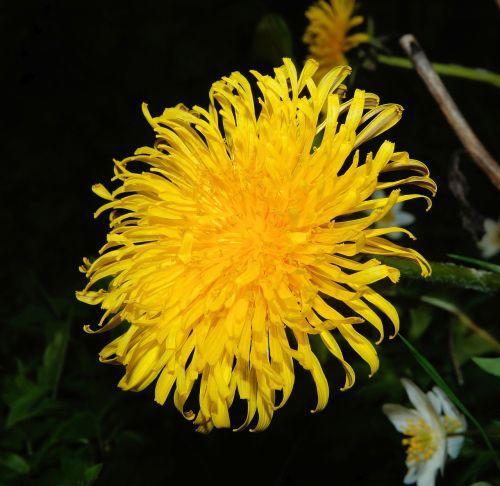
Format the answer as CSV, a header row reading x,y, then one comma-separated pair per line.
x,y
474,74
448,273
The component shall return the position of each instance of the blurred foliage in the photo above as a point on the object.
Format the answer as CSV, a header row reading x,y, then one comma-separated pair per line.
x,y
80,71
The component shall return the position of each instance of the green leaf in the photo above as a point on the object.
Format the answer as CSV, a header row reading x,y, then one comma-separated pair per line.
x,y
441,383
32,403
24,398
14,462
92,473
420,318
473,469
53,358
468,345
273,39
490,365
479,263
463,318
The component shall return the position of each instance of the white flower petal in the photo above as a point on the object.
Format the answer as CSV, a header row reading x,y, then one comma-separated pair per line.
x,y
449,408
453,446
427,473
424,407
440,455
399,415
411,475
435,400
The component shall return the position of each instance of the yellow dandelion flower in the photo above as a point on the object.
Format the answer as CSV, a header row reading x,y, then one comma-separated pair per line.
x,y
327,33
241,239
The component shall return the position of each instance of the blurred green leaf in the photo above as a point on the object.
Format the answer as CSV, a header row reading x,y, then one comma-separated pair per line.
x,y
14,462
77,472
77,427
463,318
24,398
273,40
80,429
92,473
420,318
473,469
53,358
468,344
490,365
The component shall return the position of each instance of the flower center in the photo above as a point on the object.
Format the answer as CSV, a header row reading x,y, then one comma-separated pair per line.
x,y
420,443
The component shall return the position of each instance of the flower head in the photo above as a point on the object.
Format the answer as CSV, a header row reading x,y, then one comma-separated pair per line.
x,y
426,428
327,34
242,238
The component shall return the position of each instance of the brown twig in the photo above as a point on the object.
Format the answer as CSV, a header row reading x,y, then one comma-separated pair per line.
x,y
450,110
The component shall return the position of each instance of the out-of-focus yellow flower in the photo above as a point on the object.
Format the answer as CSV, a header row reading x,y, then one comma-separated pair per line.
x,y
426,428
327,34
241,239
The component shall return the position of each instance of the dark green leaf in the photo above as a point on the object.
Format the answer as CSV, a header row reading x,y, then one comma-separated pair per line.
x,y
53,358
92,473
31,401
490,365
420,318
273,40
474,468
14,462
468,345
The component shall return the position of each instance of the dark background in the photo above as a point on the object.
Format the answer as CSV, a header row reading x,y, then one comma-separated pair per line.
x,y
77,73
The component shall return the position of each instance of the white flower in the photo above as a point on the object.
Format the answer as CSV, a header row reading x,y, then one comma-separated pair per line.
x,y
426,428
490,242
396,217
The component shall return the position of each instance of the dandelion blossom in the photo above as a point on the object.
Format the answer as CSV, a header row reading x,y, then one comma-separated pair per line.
x,y
241,239
327,34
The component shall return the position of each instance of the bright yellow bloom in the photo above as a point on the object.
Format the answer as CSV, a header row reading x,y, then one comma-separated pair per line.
x,y
327,33
241,238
